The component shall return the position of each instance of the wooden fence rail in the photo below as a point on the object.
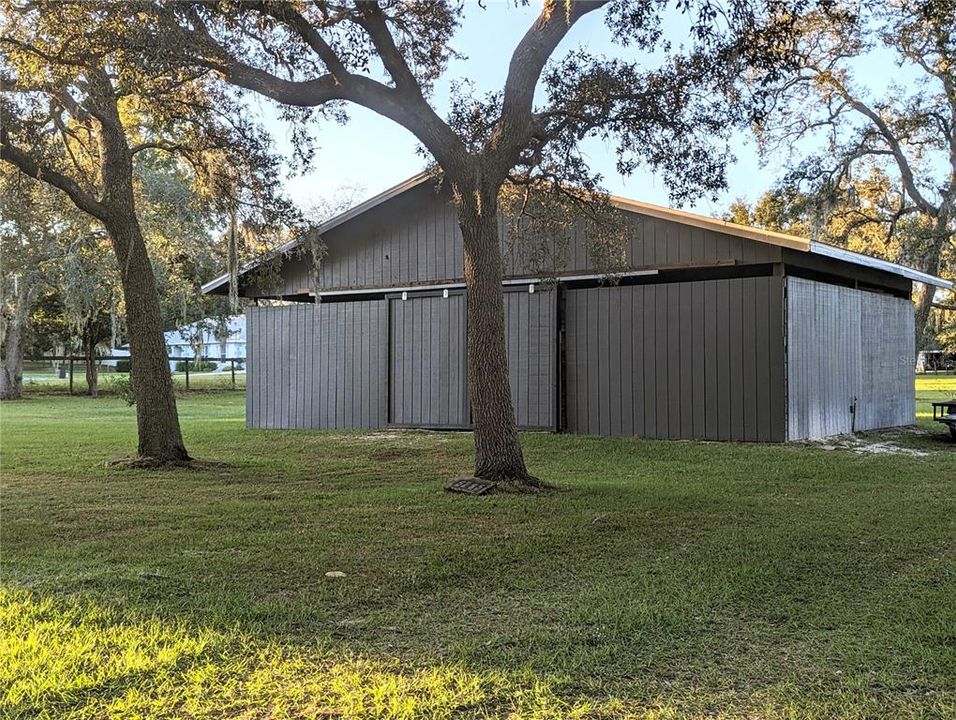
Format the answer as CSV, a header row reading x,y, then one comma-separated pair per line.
x,y
99,359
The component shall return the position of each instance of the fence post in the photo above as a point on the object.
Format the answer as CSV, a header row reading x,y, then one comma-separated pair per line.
x,y
71,374
232,370
186,361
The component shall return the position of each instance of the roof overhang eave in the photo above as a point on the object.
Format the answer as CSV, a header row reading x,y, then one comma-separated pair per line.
x,y
839,253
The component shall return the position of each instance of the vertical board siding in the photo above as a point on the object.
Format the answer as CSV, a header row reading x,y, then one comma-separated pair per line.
x,y
316,366
414,238
678,360
701,359
530,323
847,345
888,336
428,385
824,360
428,371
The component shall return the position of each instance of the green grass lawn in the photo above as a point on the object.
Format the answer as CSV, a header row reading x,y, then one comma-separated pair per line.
x,y
663,580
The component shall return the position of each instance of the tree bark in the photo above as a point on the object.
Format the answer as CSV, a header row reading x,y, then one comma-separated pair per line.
x,y
498,456
11,368
157,420
924,306
89,352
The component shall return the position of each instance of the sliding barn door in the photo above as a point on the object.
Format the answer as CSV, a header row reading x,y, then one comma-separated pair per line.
x,y
428,381
429,377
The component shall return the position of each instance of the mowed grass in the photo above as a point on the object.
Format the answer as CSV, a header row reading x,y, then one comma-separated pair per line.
x,y
663,580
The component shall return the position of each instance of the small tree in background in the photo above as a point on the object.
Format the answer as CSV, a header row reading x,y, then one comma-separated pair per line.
x,y
31,225
86,278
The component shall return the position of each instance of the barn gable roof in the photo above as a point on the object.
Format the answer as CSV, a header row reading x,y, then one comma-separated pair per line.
x,y
769,237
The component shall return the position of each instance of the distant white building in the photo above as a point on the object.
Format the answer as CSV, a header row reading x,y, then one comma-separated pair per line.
x,y
209,338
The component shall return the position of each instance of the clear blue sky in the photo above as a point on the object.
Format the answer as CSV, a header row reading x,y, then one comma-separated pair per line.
x,y
375,153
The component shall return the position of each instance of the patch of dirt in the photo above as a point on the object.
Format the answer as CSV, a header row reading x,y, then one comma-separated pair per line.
x,y
867,447
379,437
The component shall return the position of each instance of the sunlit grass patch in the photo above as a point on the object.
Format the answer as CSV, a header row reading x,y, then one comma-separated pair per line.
x,y
67,659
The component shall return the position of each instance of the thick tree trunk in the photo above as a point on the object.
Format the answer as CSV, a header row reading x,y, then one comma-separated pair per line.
x,y
89,352
157,420
924,306
498,455
11,367
11,370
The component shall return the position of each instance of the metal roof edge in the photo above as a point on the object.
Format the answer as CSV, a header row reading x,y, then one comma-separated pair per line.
x,y
818,248
777,238
770,237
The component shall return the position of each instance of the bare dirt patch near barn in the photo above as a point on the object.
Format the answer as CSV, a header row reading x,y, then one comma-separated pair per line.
x,y
868,446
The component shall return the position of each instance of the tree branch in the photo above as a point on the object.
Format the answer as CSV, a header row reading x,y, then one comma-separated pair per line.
x,y
902,162
373,21
405,106
160,145
527,63
299,93
906,172
29,166
292,18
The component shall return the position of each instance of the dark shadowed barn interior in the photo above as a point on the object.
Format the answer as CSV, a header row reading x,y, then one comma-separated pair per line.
x,y
714,331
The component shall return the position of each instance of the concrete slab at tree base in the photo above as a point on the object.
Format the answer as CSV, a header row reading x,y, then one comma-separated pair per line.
x,y
470,486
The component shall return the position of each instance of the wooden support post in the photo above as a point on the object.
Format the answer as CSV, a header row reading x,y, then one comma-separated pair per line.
x,y
186,362
71,374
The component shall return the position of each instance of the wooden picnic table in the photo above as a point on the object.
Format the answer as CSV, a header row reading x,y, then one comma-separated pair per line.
x,y
944,411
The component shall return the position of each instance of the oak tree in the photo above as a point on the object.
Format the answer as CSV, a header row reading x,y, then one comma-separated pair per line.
x,y
78,111
906,131
670,110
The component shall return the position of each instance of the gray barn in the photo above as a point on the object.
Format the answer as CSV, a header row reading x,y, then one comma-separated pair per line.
x,y
716,331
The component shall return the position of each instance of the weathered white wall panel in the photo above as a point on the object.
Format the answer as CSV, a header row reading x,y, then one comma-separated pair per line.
x,y
887,398
846,347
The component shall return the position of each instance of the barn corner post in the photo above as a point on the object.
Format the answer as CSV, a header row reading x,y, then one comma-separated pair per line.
x,y
498,454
